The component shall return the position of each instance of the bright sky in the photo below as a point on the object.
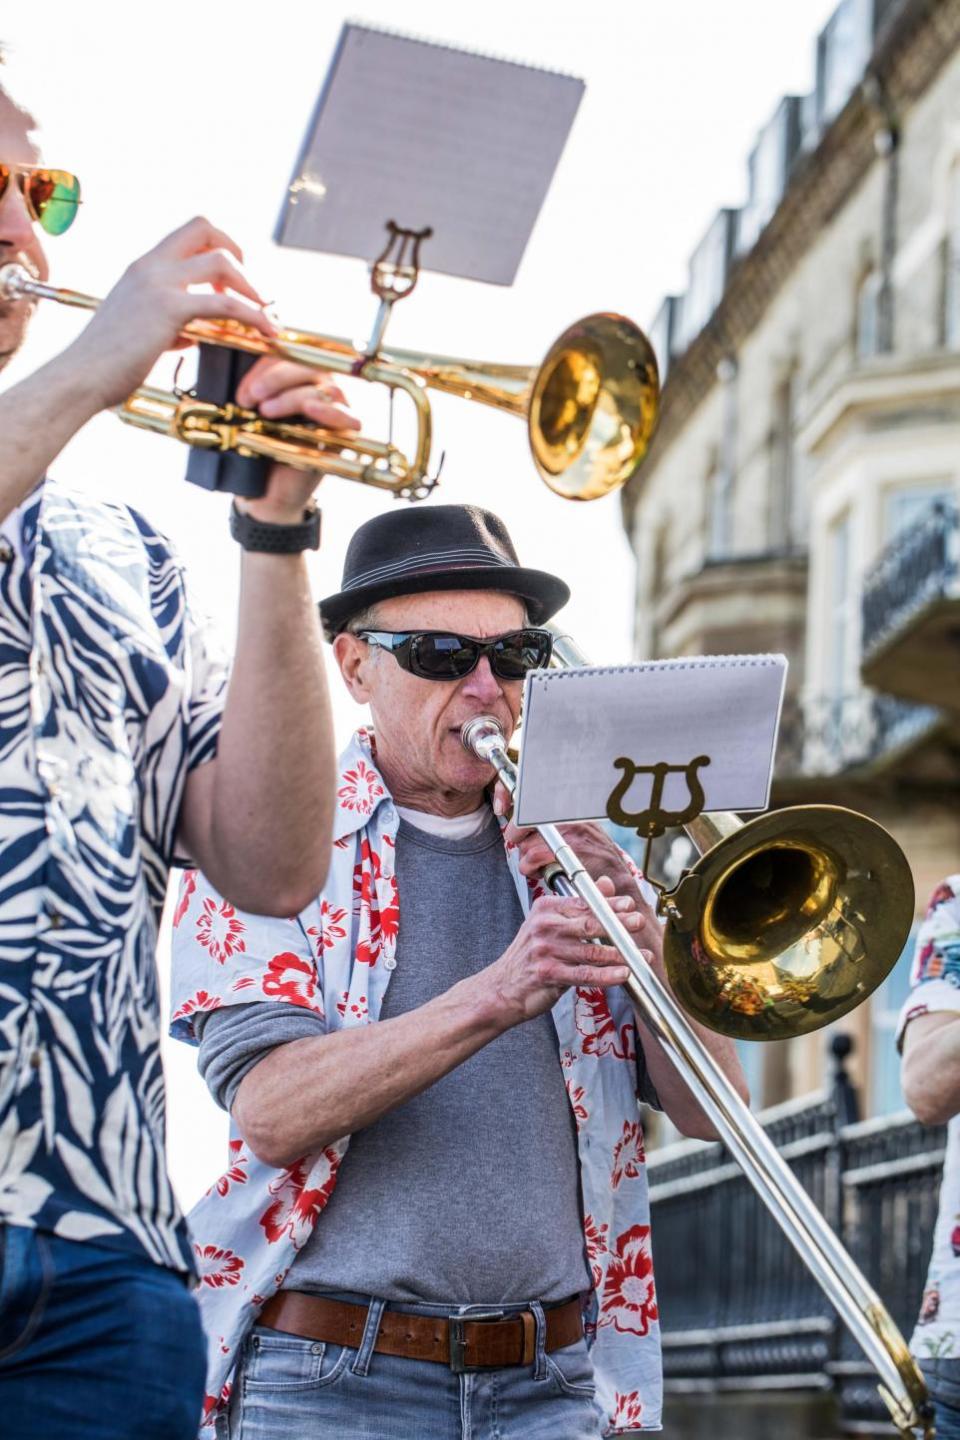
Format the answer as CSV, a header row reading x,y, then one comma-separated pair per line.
x,y
201,109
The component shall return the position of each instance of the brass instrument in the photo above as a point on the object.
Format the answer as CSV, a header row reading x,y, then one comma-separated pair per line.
x,y
590,406
775,881
787,921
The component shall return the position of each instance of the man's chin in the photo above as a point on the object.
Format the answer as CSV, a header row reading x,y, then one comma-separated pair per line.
x,y
11,339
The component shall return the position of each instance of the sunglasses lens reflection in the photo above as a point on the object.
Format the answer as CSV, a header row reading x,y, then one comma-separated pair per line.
x,y
451,657
444,657
54,196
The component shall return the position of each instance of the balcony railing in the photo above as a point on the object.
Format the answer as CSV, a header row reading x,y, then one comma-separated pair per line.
x,y
919,567
739,1312
829,734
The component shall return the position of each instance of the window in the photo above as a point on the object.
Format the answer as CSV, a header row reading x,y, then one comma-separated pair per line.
x,y
868,315
719,506
905,505
840,610
781,500
951,278
886,1094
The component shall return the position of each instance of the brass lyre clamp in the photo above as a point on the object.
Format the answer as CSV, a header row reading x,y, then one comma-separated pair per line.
x,y
393,276
654,820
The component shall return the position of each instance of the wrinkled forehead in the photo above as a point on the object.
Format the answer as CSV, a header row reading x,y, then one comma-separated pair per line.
x,y
18,143
470,612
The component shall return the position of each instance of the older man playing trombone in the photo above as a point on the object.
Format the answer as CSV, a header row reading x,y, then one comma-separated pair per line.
x,y
434,1219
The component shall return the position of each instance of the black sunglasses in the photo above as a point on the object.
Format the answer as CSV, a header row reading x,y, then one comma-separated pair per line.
x,y
441,655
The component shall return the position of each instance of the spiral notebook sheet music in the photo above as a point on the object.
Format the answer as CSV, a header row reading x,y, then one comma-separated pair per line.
x,y
426,134
576,723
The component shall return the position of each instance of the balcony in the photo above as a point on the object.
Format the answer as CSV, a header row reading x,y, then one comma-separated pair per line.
x,y
859,734
911,612
738,604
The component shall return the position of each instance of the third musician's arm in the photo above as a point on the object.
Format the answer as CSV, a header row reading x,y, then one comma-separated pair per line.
x,y
931,1066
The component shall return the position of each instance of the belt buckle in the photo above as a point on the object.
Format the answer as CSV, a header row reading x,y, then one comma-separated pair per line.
x,y
458,1344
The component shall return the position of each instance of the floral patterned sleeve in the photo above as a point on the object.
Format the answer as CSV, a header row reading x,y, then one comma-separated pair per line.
x,y
225,957
935,977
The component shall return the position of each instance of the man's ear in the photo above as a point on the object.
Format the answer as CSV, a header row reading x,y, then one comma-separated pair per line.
x,y
352,655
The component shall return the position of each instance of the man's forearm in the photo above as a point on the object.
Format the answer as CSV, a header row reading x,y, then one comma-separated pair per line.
x,y
311,1092
273,795
38,417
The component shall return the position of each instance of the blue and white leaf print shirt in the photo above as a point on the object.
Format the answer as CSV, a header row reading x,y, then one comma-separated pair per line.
x,y
110,692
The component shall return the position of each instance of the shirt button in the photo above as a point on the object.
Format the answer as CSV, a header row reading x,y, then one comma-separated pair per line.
x,y
36,1060
6,552
56,919
389,963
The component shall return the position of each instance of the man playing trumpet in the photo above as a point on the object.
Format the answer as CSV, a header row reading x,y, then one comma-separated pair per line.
x,y
434,1221
122,744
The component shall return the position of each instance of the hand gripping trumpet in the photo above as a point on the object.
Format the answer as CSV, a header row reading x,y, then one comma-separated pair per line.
x,y
901,1383
590,407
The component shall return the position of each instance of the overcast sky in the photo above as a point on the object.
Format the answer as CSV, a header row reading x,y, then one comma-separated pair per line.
x,y
201,108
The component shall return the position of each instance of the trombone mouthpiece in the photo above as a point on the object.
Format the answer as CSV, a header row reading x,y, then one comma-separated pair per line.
x,y
482,735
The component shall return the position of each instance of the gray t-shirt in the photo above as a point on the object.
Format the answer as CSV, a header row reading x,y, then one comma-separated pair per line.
x,y
469,1192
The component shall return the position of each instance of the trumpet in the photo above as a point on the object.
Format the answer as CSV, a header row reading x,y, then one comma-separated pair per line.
x,y
785,912
590,406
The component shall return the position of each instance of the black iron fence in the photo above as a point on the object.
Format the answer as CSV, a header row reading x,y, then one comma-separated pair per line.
x,y
919,566
827,734
739,1311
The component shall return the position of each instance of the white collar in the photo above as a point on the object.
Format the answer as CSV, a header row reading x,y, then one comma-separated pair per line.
x,y
450,827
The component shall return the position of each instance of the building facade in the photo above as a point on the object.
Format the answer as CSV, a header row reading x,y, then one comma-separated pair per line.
x,y
802,489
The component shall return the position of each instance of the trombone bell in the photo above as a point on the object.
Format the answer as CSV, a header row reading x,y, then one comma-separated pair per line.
x,y
787,923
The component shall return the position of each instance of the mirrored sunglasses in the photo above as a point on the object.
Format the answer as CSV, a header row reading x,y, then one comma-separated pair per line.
x,y
52,197
442,655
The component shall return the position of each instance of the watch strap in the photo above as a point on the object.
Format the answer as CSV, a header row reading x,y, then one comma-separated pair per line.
x,y
270,539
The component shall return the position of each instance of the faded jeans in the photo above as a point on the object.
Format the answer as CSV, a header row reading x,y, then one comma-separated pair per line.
x,y
943,1382
288,1386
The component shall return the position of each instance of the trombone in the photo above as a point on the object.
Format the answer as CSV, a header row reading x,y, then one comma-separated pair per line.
x,y
590,406
796,891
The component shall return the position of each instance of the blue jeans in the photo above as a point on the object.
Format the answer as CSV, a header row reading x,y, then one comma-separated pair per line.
x,y
287,1386
943,1382
95,1344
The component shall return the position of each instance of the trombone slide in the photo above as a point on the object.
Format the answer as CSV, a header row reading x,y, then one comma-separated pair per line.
x,y
901,1383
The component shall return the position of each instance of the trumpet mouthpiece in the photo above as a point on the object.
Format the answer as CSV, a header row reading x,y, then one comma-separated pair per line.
x,y
482,735
12,278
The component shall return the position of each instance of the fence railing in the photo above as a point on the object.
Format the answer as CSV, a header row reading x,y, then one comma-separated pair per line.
x,y
919,566
739,1311
828,734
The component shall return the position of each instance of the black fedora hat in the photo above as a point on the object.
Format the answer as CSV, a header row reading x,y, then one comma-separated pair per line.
x,y
436,547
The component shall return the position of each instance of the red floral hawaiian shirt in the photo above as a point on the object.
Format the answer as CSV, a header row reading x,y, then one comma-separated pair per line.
x,y
336,958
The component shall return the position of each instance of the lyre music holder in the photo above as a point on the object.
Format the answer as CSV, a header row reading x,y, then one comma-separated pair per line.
x,y
655,820
686,736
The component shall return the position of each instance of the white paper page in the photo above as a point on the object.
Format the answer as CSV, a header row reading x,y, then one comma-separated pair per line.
x,y
576,723
427,135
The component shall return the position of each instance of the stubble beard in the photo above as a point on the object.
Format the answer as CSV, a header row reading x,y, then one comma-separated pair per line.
x,y
13,331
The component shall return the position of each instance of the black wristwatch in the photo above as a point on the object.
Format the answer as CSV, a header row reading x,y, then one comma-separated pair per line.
x,y
276,539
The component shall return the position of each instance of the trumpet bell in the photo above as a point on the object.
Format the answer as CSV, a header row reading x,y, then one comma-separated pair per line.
x,y
593,407
788,923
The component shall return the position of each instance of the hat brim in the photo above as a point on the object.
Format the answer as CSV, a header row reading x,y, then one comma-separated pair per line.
x,y
544,594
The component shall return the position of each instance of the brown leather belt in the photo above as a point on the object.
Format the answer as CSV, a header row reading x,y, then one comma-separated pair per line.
x,y
485,1340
